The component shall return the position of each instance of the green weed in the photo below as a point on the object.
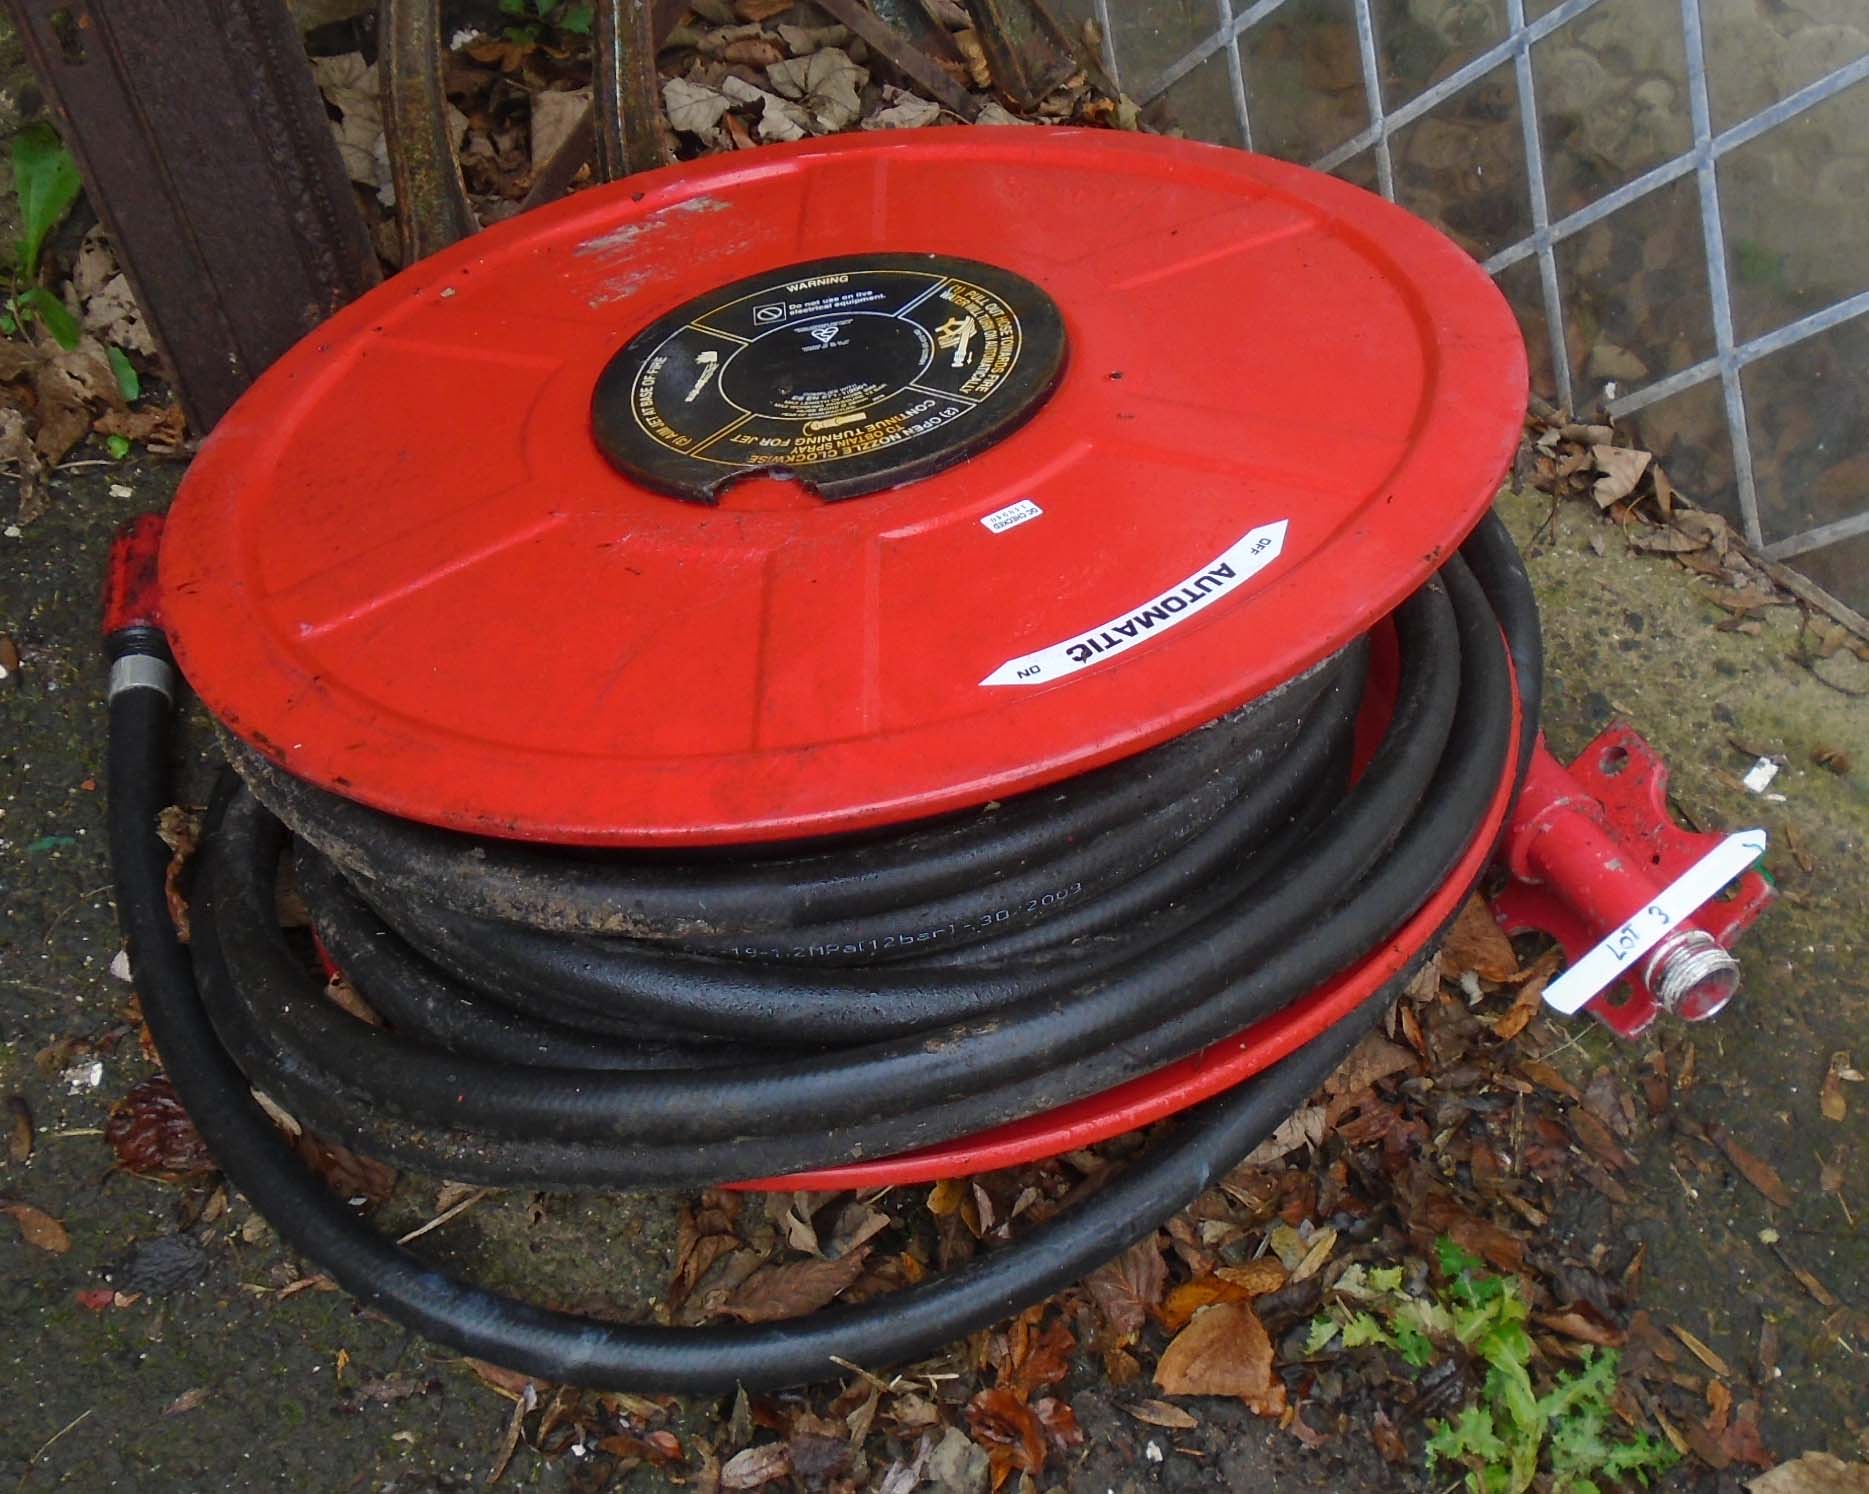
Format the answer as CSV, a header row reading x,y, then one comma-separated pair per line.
x,y
1502,1438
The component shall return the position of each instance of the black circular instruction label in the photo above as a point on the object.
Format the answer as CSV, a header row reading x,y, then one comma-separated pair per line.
x,y
850,374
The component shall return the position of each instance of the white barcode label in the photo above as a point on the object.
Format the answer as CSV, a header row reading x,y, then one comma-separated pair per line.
x,y
1012,516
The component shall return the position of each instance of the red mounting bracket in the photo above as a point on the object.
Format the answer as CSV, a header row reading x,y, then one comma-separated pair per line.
x,y
132,592
1593,850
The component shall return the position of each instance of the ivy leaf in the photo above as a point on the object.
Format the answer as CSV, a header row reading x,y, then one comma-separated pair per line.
x,y
129,385
576,20
52,312
117,446
46,178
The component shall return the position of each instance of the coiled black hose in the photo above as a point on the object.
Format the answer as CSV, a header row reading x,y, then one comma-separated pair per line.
x,y
565,1019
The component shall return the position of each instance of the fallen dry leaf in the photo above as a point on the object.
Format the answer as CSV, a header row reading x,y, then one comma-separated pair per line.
x,y
1321,1246
1255,1277
1303,1127
1223,1351
1549,1078
1701,1352
69,384
1189,1297
1373,1059
1502,1251
1814,1473
658,1447
1388,1441
1598,1141
856,1224
1741,600
556,114
350,86
360,1180
1820,1293
695,108
1128,1288
1524,1006
509,1383
19,1130
1742,1443
1008,1429
1584,1329
1477,943
774,1292
343,995
1622,469
827,83
1038,1357
161,427
800,41
152,1135
905,111
974,52
1664,490
509,1441
1755,1170
187,1401
38,1228
1162,1414
318,1282
1830,1098
1664,541
704,1234
755,1467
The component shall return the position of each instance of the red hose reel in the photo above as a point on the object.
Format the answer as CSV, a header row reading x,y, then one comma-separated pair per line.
x,y
857,481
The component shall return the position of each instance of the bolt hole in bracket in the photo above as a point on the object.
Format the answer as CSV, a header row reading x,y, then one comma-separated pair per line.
x,y
1645,910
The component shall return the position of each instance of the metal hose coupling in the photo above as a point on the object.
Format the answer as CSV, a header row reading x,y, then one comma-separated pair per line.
x,y
1690,975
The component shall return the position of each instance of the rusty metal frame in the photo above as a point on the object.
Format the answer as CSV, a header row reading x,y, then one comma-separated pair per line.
x,y
432,210
626,93
209,156
1029,52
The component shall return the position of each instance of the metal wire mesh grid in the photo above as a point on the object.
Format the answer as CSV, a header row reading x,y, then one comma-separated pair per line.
x,y
1210,35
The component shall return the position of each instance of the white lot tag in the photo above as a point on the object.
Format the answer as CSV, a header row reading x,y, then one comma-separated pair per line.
x,y
1643,930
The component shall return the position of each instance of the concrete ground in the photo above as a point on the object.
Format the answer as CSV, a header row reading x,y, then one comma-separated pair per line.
x,y
223,1381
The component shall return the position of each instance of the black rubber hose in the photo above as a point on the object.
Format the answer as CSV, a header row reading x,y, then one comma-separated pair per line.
x,y
764,992
763,888
1161,1003
1498,566
1437,772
